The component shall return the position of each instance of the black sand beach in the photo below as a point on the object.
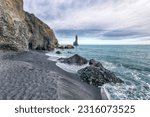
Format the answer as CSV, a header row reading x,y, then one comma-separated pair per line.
x,y
30,76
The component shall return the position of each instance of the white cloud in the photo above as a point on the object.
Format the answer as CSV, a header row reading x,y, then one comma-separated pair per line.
x,y
84,14
108,15
95,41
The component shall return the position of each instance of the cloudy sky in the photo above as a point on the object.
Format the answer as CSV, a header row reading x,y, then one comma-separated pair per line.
x,y
113,21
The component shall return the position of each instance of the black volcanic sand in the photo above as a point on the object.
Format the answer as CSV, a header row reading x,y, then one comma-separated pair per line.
x,y
30,76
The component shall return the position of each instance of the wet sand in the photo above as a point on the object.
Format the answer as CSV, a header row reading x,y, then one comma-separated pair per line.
x,y
30,76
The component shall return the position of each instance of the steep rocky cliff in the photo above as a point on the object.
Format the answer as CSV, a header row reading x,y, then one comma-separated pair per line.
x,y
20,30
42,36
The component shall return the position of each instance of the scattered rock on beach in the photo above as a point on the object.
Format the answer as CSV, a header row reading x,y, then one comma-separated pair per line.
x,y
58,52
60,46
75,59
69,47
97,75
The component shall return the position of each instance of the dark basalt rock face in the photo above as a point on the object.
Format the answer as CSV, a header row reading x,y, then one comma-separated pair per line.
x,y
75,59
97,75
22,30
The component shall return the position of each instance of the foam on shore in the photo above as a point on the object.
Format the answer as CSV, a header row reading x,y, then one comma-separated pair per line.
x,y
104,93
71,68
74,69
54,57
66,67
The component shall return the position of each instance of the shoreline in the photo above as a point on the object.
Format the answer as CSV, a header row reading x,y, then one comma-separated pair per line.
x,y
103,93
31,76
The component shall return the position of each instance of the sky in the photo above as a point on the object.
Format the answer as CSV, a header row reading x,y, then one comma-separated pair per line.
x,y
112,21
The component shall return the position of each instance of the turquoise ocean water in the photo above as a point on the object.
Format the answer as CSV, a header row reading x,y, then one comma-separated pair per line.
x,y
131,63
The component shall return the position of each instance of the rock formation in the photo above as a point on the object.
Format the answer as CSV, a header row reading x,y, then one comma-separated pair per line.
x,y
42,36
58,52
69,46
97,75
20,30
75,59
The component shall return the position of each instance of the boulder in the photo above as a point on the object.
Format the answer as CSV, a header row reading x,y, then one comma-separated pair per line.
x,y
75,59
60,47
92,61
98,64
66,46
95,63
97,76
69,47
58,52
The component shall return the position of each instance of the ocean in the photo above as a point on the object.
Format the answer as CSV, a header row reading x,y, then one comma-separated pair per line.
x,y
131,63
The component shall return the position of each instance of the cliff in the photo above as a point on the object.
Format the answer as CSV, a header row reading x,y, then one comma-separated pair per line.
x,y
20,30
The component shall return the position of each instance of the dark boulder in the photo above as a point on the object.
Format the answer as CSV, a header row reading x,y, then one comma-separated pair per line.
x,y
60,47
75,59
98,64
95,63
69,47
58,52
97,76
92,61
66,46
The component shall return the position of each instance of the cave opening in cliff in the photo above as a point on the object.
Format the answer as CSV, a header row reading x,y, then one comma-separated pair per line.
x,y
47,43
30,46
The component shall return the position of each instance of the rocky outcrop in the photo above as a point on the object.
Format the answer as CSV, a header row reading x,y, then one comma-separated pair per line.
x,y
21,30
75,59
13,28
58,52
97,75
95,63
42,37
69,46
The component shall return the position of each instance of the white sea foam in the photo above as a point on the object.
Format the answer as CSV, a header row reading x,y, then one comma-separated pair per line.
x,y
135,75
135,86
70,68
105,92
128,92
54,57
109,65
66,67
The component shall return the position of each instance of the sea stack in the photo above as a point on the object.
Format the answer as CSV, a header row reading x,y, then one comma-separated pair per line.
x,y
20,30
76,41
